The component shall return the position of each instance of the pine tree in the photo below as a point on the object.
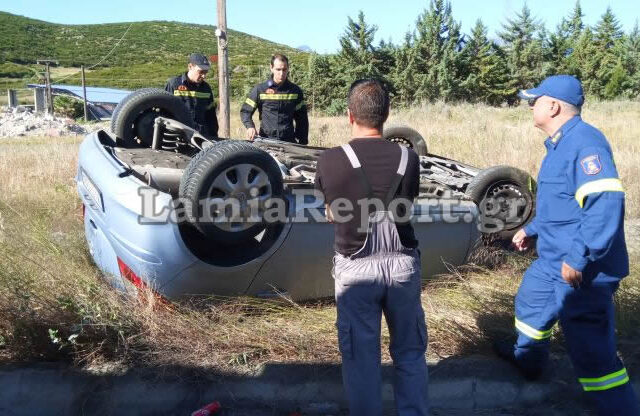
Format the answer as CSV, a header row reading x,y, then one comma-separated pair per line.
x,y
320,83
583,61
404,73
488,76
631,62
563,43
557,49
608,38
575,25
437,54
523,48
616,82
358,58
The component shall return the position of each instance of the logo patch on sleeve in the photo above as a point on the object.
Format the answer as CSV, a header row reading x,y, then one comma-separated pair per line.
x,y
591,165
182,88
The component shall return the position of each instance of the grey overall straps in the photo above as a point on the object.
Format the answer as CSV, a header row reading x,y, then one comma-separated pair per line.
x,y
402,168
383,276
382,236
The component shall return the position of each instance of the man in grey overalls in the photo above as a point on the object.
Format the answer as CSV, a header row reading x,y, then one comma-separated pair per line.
x,y
377,263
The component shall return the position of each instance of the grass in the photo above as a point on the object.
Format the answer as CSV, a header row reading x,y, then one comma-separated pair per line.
x,y
54,305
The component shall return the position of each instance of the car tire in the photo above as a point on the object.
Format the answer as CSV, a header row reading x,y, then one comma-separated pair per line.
x,y
222,172
497,191
407,137
133,118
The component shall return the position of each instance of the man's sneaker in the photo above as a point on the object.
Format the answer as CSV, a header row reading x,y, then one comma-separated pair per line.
x,y
504,350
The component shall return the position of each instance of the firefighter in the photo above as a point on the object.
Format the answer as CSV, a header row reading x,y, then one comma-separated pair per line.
x,y
582,252
196,94
280,103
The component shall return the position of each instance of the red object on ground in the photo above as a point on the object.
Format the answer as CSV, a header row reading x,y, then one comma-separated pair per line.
x,y
213,58
209,409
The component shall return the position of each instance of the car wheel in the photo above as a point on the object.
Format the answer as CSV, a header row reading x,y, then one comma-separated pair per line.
x,y
406,136
506,200
226,189
133,118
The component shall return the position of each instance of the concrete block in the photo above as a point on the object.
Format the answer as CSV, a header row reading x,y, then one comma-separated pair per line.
x,y
39,100
452,394
490,394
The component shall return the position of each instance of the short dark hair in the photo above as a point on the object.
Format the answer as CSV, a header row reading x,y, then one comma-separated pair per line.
x,y
279,57
368,102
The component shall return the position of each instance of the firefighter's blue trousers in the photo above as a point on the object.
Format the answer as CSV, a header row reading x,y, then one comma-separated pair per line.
x,y
586,316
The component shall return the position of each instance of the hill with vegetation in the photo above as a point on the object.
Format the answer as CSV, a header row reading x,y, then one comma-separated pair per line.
x,y
128,55
436,61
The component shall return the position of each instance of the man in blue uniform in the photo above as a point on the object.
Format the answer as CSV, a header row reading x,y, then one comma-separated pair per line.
x,y
582,252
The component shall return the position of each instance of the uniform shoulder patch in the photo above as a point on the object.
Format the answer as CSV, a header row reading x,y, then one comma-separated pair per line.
x,y
591,165
182,88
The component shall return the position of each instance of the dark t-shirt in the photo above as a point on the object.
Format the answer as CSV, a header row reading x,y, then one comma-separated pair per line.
x,y
336,178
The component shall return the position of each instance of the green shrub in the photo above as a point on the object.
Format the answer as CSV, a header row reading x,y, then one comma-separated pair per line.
x,y
11,70
68,107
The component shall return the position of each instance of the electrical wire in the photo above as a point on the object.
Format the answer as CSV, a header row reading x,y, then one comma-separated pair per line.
x,y
57,81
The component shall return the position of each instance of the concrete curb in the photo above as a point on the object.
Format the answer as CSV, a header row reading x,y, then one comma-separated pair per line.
x,y
461,383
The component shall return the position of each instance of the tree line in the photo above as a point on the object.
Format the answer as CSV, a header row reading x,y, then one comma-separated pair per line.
x,y
436,61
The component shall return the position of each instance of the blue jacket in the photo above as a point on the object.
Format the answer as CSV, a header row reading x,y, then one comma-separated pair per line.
x,y
580,203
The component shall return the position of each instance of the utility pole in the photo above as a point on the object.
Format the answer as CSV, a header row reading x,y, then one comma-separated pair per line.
x,y
84,94
46,63
223,70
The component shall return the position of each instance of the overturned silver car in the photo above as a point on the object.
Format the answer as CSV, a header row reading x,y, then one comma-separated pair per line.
x,y
262,231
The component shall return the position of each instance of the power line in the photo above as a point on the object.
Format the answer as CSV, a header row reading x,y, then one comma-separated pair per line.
x,y
103,58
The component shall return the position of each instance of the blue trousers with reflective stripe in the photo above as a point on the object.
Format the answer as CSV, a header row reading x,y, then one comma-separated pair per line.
x,y
586,316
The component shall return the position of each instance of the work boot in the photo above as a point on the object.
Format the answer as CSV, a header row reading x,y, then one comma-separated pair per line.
x,y
504,349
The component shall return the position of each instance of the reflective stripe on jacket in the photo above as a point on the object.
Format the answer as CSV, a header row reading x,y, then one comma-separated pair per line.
x,y
199,100
580,203
279,106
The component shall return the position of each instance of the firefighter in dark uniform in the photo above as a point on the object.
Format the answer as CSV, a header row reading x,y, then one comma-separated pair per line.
x,y
582,253
196,94
280,103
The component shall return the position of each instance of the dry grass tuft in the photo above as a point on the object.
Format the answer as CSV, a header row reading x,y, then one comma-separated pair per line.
x,y
55,305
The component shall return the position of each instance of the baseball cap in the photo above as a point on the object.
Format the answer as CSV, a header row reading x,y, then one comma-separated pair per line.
x,y
563,87
200,61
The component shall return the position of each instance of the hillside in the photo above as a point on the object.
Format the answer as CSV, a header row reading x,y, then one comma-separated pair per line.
x,y
148,54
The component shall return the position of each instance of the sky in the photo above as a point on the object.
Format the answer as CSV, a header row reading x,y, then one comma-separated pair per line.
x,y
316,24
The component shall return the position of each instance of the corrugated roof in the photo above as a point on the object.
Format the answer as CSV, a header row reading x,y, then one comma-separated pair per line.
x,y
94,94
